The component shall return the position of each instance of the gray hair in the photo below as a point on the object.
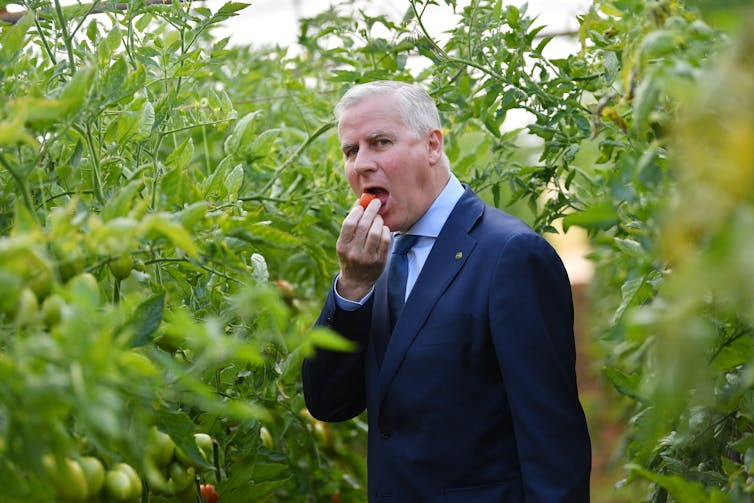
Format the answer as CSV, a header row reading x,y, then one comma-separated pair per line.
x,y
417,108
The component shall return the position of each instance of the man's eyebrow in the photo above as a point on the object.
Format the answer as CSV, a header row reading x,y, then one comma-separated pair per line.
x,y
377,134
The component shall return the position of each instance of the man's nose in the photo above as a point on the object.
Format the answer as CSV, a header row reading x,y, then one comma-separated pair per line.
x,y
364,162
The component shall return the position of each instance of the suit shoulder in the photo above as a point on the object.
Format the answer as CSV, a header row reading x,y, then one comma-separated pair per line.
x,y
501,225
492,226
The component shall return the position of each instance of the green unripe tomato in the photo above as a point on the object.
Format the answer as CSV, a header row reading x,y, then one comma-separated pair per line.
x,y
160,447
10,290
84,287
170,340
27,310
121,266
94,473
118,486
41,282
182,476
67,477
52,310
133,477
87,280
155,477
204,442
70,267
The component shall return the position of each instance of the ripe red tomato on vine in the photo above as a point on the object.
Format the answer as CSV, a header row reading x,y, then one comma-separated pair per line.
x,y
209,494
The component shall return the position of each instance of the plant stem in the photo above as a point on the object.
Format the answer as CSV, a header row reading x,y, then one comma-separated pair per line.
x,y
96,184
157,174
191,126
309,139
66,36
207,167
42,37
92,8
22,186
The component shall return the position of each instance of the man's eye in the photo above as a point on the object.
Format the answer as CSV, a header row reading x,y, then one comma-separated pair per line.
x,y
382,142
350,152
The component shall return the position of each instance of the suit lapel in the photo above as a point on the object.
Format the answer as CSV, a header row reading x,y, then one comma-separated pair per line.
x,y
449,253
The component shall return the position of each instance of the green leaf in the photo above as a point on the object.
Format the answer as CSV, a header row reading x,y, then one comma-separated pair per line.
x,y
181,156
123,201
112,82
108,45
599,217
44,111
133,124
512,16
243,133
181,429
626,384
647,96
682,490
262,145
233,181
629,291
12,42
79,87
228,10
147,319
192,214
25,222
270,471
118,83
630,246
327,339
174,231
214,185
744,443
12,132
271,235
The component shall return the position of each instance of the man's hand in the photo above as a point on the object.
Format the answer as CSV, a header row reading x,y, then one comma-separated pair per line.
x,y
362,247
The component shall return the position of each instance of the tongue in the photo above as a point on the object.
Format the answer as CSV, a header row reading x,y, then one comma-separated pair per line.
x,y
381,194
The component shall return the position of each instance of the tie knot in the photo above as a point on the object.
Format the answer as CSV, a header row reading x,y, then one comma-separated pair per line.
x,y
404,242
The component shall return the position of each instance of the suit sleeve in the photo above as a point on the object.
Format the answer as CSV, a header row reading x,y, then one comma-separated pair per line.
x,y
532,328
334,381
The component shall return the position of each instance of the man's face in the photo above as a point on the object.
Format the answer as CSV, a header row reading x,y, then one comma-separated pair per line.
x,y
384,157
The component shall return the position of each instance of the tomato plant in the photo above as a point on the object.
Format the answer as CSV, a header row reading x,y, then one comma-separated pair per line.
x,y
148,210
169,205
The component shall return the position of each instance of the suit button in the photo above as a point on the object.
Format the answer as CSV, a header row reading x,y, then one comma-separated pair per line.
x,y
385,434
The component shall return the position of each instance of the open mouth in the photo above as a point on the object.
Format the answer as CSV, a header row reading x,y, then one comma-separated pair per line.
x,y
382,194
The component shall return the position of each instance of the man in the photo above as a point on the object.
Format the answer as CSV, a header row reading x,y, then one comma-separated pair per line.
x,y
471,396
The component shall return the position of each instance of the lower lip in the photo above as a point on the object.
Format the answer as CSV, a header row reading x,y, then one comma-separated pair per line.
x,y
383,204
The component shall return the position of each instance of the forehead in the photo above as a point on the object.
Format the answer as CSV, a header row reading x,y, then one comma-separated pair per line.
x,y
374,114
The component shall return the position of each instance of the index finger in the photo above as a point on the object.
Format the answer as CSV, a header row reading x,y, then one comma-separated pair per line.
x,y
360,218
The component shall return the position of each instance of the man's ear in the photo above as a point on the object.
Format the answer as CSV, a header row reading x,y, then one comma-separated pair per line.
x,y
434,146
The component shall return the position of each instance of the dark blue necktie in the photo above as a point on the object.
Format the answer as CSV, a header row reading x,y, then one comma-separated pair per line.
x,y
397,275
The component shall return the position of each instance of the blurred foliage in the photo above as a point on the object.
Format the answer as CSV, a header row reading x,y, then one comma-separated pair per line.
x,y
169,205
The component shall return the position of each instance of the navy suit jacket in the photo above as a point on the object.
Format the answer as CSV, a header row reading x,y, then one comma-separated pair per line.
x,y
476,398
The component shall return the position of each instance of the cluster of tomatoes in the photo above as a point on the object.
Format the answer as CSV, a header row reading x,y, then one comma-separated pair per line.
x,y
167,470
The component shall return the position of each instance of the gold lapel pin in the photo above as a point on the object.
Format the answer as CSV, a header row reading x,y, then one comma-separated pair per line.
x,y
459,255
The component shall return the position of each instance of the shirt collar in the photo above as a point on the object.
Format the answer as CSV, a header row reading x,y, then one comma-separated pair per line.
x,y
431,223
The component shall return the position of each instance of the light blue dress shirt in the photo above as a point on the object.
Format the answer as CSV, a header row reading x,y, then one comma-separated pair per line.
x,y
428,227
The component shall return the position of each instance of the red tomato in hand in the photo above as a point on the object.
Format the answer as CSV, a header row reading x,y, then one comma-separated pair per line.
x,y
365,199
209,495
